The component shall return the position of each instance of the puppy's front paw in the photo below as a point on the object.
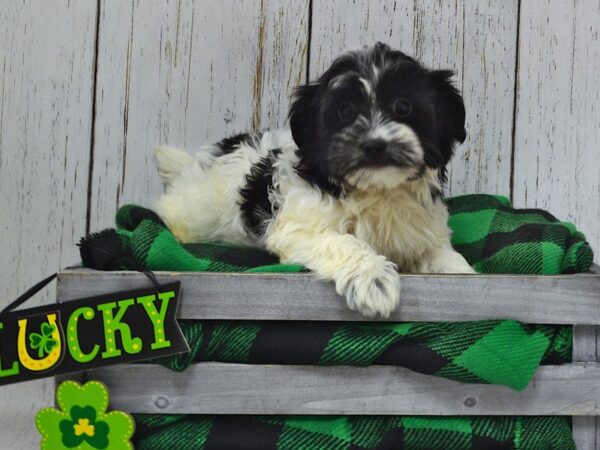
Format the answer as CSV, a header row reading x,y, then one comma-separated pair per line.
x,y
449,261
374,289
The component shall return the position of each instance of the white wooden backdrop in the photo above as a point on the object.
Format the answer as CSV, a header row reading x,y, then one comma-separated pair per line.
x,y
87,87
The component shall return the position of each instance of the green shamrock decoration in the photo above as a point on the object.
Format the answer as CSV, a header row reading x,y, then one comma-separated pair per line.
x,y
43,341
82,422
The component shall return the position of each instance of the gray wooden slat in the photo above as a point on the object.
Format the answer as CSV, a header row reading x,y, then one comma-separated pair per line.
x,y
597,419
584,349
584,432
186,73
218,388
533,299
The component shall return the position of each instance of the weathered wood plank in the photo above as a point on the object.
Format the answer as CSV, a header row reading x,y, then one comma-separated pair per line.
x,y
186,73
584,343
584,349
558,112
597,419
46,78
476,39
217,388
532,299
483,162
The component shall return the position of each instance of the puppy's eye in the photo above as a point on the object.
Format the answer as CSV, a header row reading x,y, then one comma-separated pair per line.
x,y
402,107
347,112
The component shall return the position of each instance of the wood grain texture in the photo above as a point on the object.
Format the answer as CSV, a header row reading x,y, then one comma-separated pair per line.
x,y
186,73
475,39
530,299
217,388
46,76
483,162
558,112
584,349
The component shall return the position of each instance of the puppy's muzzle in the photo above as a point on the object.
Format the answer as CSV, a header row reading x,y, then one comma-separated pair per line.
x,y
379,152
374,148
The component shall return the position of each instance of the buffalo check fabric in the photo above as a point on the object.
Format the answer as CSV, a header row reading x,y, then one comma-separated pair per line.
x,y
502,352
187,432
494,237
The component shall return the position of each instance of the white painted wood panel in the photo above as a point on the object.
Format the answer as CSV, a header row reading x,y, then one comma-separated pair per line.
x,y
475,39
186,73
46,76
483,162
557,164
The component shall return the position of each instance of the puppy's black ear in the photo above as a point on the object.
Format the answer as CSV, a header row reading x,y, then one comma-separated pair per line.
x,y
303,113
450,108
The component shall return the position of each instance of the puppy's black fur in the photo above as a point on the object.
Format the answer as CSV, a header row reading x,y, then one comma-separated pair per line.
x,y
329,118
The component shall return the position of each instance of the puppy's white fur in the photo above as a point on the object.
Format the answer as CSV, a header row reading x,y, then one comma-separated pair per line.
x,y
359,240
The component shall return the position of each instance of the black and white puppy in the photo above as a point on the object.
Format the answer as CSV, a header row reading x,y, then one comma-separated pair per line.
x,y
354,192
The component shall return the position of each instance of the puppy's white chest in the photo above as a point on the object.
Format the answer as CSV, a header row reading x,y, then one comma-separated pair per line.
x,y
397,225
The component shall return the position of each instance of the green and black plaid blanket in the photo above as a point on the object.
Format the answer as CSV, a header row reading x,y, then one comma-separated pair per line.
x,y
159,432
491,351
494,238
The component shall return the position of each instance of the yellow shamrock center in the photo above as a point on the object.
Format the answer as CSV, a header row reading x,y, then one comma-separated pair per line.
x,y
83,427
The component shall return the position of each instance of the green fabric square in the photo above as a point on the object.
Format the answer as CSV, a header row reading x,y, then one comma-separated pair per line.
x,y
458,373
506,220
500,428
544,433
552,258
452,339
471,227
459,424
521,258
434,433
166,248
371,339
507,355
338,427
232,341
368,431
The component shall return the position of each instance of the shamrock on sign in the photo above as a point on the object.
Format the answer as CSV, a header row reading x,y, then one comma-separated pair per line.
x,y
82,422
43,341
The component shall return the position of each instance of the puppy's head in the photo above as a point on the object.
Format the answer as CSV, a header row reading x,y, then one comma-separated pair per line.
x,y
376,119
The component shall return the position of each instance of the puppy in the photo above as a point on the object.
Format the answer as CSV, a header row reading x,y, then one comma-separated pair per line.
x,y
354,192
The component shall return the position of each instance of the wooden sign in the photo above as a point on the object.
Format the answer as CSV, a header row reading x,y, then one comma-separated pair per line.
x,y
91,332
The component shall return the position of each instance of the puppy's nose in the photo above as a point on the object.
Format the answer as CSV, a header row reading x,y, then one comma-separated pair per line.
x,y
373,147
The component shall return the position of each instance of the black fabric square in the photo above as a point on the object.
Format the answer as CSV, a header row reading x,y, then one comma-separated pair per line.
x,y
392,440
247,257
487,443
291,342
496,242
241,433
242,257
412,355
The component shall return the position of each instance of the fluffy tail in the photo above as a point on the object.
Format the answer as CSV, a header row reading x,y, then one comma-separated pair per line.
x,y
171,162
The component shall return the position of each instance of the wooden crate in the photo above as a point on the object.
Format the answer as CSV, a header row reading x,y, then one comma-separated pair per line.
x,y
220,388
